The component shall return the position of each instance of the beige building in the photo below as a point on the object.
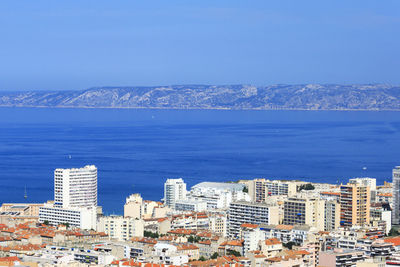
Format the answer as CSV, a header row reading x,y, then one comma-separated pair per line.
x,y
355,202
23,209
305,211
136,207
133,206
261,189
120,228
332,215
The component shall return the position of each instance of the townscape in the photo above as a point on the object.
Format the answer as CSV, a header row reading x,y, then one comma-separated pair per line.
x,y
258,222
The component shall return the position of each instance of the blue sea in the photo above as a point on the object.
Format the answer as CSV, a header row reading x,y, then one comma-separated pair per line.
x,y
136,150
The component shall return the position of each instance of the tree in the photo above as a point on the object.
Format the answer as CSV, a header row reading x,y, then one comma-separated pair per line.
x,y
393,232
289,245
150,234
191,239
233,252
46,222
245,189
215,255
202,258
306,187
66,225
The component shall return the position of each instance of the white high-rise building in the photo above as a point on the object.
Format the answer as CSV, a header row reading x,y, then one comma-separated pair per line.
x,y
396,196
75,198
174,189
75,187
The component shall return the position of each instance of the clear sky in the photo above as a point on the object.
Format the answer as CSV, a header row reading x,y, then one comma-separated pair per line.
x,y
65,45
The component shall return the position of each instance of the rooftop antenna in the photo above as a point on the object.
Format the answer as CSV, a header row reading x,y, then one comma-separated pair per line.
x,y
25,194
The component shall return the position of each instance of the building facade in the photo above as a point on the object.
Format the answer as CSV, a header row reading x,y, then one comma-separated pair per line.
x,y
304,211
355,204
250,212
396,196
75,198
75,187
121,228
174,189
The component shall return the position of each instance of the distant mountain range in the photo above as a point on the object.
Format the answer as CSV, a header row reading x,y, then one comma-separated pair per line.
x,y
302,96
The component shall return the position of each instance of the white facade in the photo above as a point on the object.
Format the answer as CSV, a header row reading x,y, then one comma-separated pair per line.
x,y
120,228
365,181
75,187
248,212
218,195
396,196
190,205
174,189
82,217
75,198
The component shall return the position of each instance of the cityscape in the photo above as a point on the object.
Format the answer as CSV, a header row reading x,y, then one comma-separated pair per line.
x,y
257,222
213,133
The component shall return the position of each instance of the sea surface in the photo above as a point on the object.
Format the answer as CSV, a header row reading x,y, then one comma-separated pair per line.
x,y
137,150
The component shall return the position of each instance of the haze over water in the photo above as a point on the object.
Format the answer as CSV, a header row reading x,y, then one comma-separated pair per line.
x,y
136,150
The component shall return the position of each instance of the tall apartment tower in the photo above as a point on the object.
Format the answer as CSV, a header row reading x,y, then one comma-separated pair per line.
x,y
355,204
396,195
75,187
174,189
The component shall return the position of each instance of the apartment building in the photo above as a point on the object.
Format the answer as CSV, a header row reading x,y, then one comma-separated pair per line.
x,y
121,228
260,189
174,189
332,214
396,195
355,204
250,212
305,211
81,217
76,187
75,198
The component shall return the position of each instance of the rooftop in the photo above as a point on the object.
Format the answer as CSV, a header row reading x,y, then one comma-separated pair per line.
x,y
222,186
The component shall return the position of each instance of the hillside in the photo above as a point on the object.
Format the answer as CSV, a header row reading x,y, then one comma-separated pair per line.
x,y
310,96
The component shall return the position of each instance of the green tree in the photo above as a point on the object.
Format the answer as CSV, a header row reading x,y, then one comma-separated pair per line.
x,y
289,245
191,239
393,232
215,255
202,258
233,252
306,187
245,189
46,222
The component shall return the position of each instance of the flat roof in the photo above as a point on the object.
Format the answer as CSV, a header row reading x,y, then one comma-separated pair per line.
x,y
228,186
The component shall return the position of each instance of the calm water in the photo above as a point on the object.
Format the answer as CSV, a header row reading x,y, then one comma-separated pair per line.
x,y
136,150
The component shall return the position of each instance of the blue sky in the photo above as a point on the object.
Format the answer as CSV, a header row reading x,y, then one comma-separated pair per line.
x,y
64,45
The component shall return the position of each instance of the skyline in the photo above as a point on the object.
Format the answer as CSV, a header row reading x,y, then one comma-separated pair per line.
x,y
77,45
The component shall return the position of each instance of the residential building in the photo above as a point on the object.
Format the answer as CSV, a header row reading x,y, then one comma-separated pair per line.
x,y
81,217
133,206
355,204
190,205
218,195
250,212
218,224
331,214
379,214
75,198
174,189
366,181
76,187
304,211
396,196
260,189
340,257
121,228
